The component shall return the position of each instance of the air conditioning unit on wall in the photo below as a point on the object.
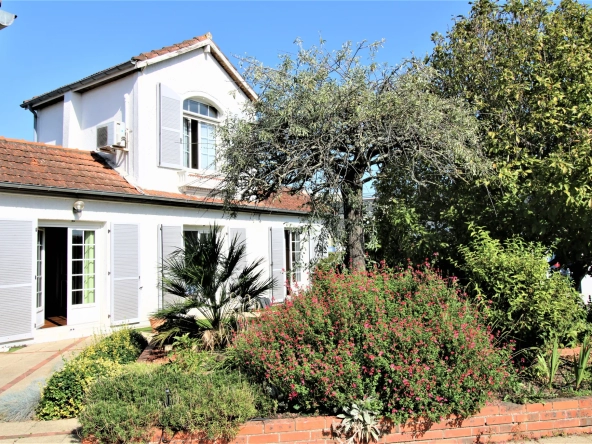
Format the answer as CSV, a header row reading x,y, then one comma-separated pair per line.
x,y
111,136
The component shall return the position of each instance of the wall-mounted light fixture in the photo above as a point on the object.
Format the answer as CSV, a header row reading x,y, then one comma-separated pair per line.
x,y
78,207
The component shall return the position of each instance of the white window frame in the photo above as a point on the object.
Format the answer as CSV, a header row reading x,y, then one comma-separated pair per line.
x,y
200,118
295,264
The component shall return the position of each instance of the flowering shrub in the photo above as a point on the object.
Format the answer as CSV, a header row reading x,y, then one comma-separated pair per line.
x,y
407,338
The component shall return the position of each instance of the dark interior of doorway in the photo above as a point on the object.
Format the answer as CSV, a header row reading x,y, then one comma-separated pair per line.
x,y
56,275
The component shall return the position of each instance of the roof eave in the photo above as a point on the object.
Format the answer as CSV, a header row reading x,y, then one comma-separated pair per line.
x,y
85,83
12,187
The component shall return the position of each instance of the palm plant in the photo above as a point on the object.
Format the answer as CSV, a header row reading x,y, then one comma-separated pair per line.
x,y
211,289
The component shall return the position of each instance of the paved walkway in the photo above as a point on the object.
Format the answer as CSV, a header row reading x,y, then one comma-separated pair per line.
x,y
34,362
54,432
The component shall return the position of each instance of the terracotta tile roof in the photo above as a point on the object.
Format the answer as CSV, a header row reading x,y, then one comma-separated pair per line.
x,y
31,163
283,202
39,164
172,48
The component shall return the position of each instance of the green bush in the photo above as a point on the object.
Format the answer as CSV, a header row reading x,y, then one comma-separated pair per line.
x,y
512,281
405,338
63,396
128,406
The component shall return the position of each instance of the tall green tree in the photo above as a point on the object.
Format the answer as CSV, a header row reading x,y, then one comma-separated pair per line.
x,y
326,122
525,66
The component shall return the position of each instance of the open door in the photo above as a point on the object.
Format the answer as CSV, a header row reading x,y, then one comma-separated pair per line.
x,y
17,290
82,306
40,280
278,265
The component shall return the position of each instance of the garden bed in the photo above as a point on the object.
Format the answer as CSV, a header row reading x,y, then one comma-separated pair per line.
x,y
499,422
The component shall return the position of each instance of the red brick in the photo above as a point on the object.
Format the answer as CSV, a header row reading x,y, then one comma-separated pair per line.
x,y
255,439
489,410
565,404
508,407
484,431
456,433
310,423
499,419
501,437
474,421
584,422
394,437
239,440
320,434
279,425
295,436
533,417
539,407
521,417
585,413
251,428
551,415
585,403
572,413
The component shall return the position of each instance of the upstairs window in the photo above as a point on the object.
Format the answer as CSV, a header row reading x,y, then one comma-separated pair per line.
x,y
199,139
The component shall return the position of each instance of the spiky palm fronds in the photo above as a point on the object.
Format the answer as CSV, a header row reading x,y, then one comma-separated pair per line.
x,y
212,287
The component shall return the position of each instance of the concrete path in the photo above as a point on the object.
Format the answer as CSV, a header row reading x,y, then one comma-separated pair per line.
x,y
61,431
34,362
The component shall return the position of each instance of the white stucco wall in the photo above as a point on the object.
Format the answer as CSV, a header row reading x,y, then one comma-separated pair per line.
x,y
194,74
50,124
99,215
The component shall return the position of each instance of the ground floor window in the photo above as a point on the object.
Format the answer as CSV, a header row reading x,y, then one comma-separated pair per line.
x,y
83,267
293,246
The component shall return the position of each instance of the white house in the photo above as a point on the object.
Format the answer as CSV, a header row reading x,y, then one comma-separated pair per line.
x,y
122,166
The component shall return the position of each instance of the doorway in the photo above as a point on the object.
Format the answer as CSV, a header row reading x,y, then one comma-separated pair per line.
x,y
56,277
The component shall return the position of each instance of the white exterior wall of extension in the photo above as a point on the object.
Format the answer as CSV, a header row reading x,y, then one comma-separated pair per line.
x,y
108,219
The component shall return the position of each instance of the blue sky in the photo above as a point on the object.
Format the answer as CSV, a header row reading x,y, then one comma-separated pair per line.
x,y
54,43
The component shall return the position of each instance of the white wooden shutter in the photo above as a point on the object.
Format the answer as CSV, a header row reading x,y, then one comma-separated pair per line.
x,y
241,235
278,252
125,274
170,240
170,132
16,280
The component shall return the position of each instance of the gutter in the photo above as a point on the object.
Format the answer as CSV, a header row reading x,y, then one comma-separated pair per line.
x,y
145,199
122,68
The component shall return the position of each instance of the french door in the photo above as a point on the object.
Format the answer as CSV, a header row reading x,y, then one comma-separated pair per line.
x,y
82,304
40,280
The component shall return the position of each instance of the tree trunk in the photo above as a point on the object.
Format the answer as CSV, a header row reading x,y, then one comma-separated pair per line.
x,y
354,225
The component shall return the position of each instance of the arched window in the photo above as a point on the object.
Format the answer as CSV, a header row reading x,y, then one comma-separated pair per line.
x,y
199,139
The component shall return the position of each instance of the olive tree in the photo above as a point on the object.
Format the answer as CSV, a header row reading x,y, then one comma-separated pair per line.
x,y
327,122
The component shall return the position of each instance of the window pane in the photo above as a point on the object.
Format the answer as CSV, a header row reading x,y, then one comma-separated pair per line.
x,y
207,144
77,267
213,112
186,104
76,283
89,296
77,237
194,106
77,251
203,109
186,142
76,297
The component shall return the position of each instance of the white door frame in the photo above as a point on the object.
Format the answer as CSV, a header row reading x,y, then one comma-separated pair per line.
x,y
84,313
40,311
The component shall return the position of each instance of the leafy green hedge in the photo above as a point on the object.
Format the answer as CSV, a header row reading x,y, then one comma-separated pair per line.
x,y
129,405
64,393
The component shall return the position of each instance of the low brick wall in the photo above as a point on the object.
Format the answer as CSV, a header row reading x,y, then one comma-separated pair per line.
x,y
500,422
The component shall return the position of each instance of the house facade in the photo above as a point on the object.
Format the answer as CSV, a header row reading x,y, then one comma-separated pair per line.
x,y
122,168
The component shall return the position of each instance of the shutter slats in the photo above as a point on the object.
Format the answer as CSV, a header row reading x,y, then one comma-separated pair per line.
x,y
16,280
171,239
126,279
277,264
170,128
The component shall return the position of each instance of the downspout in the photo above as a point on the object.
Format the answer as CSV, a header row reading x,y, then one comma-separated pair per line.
x,y
34,122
